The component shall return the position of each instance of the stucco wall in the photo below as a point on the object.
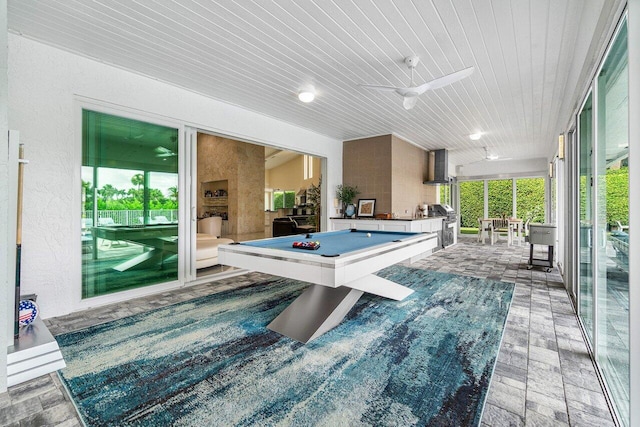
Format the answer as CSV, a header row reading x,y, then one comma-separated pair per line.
x,y
250,188
242,165
390,170
367,165
47,88
409,169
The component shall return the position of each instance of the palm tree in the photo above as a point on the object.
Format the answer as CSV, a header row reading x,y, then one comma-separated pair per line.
x,y
173,193
137,180
108,192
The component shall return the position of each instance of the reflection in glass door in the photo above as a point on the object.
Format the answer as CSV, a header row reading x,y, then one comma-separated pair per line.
x,y
612,171
130,204
585,270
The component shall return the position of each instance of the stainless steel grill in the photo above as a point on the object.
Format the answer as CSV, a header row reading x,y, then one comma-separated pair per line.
x,y
445,211
449,219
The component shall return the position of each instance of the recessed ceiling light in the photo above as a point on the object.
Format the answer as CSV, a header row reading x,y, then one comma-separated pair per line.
x,y
307,95
475,136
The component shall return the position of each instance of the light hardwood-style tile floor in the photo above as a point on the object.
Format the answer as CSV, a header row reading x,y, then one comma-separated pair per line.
x,y
544,375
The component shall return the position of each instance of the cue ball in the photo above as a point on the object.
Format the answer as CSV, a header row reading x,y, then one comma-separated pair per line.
x,y
368,234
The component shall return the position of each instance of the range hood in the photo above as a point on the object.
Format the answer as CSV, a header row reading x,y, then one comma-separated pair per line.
x,y
438,164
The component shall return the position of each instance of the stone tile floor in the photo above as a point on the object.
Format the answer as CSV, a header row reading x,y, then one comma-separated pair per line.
x,y
543,377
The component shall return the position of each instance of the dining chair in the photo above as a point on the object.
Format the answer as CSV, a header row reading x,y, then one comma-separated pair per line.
x,y
622,227
500,225
515,231
485,229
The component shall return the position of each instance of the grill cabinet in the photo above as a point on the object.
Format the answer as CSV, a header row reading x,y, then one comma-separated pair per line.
x,y
542,234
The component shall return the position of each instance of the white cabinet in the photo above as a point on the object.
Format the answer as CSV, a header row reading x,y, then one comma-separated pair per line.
x,y
427,225
370,224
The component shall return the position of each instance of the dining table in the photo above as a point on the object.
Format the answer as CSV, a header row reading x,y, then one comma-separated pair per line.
x,y
513,226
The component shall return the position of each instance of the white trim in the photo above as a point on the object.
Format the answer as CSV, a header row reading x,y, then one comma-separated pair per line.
x,y
13,141
535,174
191,194
485,201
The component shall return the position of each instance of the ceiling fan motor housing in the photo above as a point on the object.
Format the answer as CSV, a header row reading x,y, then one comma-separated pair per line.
x,y
412,61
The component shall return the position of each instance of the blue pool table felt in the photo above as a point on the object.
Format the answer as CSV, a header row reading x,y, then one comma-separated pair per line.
x,y
333,243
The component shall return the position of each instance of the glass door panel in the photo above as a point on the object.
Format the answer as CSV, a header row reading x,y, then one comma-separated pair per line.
x,y
130,205
585,238
612,171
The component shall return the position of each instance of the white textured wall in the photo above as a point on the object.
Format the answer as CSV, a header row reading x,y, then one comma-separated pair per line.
x,y
44,83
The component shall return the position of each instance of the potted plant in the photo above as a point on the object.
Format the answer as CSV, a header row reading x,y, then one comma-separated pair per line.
x,y
345,194
314,197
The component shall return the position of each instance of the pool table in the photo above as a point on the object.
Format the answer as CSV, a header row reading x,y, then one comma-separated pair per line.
x,y
160,239
340,271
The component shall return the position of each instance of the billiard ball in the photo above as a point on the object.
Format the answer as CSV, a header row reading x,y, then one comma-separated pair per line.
x,y
368,234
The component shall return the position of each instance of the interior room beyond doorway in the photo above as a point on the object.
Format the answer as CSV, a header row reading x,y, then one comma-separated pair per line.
x,y
258,191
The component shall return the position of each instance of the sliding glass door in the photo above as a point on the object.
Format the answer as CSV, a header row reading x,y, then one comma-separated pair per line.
x,y
612,220
130,204
603,168
585,272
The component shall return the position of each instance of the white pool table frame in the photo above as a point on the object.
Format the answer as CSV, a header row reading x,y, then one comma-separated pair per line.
x,y
338,282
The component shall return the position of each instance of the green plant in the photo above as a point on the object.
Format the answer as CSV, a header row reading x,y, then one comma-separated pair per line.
x,y
314,197
346,193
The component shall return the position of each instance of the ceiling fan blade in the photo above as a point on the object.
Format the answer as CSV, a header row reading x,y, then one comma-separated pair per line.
x,y
386,88
446,80
163,152
409,102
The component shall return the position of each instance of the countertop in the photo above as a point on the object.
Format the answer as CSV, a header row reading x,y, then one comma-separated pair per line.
x,y
390,219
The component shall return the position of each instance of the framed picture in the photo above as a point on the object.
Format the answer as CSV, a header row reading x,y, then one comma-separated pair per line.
x,y
366,207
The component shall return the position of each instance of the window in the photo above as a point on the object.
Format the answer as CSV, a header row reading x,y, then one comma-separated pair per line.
x,y
530,199
283,199
308,166
445,194
529,203
471,204
500,198
130,204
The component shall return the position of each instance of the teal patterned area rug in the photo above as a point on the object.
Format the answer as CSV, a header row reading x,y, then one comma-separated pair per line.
x,y
427,360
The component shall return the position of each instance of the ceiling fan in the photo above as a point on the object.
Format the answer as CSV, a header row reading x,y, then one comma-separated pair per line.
x,y
163,152
490,157
411,93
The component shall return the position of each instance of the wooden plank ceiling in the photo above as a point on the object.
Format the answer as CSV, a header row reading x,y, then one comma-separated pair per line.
x,y
528,55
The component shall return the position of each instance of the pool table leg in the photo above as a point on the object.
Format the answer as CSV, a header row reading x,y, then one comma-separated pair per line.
x,y
317,310
376,285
